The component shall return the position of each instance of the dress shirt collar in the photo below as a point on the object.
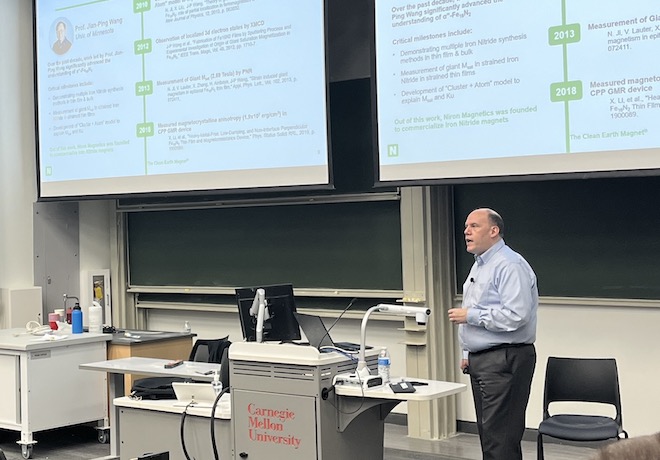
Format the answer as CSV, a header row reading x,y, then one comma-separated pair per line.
x,y
486,256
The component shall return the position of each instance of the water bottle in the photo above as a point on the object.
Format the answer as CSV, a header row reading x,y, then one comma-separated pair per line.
x,y
76,320
217,384
186,327
384,364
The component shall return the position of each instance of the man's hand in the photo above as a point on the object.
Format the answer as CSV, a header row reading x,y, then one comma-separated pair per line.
x,y
458,315
464,365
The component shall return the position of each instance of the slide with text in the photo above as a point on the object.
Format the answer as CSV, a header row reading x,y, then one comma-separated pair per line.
x,y
150,87
463,80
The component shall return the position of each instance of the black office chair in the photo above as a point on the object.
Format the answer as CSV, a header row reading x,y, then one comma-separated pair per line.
x,y
594,380
224,369
209,350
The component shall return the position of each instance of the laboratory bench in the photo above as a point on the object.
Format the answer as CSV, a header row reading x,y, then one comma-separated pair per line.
x,y
44,388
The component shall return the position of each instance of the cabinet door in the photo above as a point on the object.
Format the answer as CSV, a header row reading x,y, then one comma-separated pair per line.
x,y
271,426
10,403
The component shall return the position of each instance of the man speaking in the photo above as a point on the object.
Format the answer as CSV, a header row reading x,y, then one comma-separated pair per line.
x,y
497,330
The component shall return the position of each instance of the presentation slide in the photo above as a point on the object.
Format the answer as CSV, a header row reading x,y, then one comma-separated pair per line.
x,y
139,96
485,88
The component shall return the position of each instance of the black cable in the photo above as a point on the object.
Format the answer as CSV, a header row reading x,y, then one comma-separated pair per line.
x,y
362,398
181,430
327,332
345,353
215,404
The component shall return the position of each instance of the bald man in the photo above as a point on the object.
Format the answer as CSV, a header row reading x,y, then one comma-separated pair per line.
x,y
497,330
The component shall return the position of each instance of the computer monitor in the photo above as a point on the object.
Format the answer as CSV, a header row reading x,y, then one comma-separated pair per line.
x,y
282,325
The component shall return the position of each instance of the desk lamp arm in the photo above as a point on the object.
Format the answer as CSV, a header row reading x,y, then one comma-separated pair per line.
x,y
259,310
420,313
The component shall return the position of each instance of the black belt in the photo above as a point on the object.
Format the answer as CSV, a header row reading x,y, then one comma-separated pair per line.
x,y
502,346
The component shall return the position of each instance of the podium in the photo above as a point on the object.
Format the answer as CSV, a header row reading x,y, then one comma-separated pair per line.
x,y
284,404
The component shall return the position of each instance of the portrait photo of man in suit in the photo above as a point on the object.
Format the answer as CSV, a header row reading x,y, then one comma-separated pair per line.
x,y
62,44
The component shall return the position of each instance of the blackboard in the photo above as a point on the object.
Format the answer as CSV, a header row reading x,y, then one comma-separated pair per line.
x,y
584,238
351,245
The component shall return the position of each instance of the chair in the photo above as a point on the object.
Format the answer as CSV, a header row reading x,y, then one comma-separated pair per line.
x,y
213,351
224,369
580,380
209,350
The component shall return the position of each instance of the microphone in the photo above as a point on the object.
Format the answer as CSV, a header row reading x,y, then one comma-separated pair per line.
x,y
471,280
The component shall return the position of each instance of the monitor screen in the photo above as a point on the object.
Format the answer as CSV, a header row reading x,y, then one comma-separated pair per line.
x,y
144,96
468,91
282,325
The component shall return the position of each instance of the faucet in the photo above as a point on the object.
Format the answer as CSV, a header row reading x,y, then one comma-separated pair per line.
x,y
67,297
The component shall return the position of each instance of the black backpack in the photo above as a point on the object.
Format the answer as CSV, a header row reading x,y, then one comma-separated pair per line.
x,y
154,388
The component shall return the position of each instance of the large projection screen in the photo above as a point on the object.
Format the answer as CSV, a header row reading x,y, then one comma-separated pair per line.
x,y
143,96
506,88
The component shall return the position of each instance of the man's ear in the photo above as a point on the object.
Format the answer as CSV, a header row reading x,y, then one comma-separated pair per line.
x,y
494,231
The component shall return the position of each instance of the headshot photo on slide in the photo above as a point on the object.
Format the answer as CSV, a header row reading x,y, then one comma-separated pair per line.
x,y
62,31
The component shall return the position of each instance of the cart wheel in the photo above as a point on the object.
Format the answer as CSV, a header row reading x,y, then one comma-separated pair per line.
x,y
26,450
104,436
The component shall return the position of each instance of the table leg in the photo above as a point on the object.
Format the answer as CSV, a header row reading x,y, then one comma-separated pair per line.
x,y
116,390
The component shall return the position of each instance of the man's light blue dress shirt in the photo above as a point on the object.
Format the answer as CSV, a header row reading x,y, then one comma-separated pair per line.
x,y
502,298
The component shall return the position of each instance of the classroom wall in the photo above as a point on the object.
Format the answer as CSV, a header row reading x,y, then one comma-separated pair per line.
x,y
565,329
17,162
96,219
628,334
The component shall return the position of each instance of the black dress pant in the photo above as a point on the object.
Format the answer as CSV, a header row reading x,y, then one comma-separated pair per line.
x,y
501,379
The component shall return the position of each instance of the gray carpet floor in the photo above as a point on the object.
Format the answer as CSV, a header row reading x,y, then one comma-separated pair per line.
x,y
81,443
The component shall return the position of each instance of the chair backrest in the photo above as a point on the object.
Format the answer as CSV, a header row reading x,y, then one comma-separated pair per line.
x,y
582,379
224,369
209,350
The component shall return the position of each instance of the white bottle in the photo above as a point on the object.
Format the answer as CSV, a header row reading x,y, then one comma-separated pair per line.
x,y
95,313
217,384
384,364
186,327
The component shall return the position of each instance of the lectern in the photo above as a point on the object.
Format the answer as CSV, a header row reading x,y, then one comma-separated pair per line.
x,y
284,404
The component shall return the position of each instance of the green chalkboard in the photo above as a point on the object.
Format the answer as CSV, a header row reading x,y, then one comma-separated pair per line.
x,y
354,245
584,238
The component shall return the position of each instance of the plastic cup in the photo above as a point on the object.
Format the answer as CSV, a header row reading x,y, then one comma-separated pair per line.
x,y
53,318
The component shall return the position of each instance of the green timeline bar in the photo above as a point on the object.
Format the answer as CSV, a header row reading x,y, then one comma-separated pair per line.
x,y
80,5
